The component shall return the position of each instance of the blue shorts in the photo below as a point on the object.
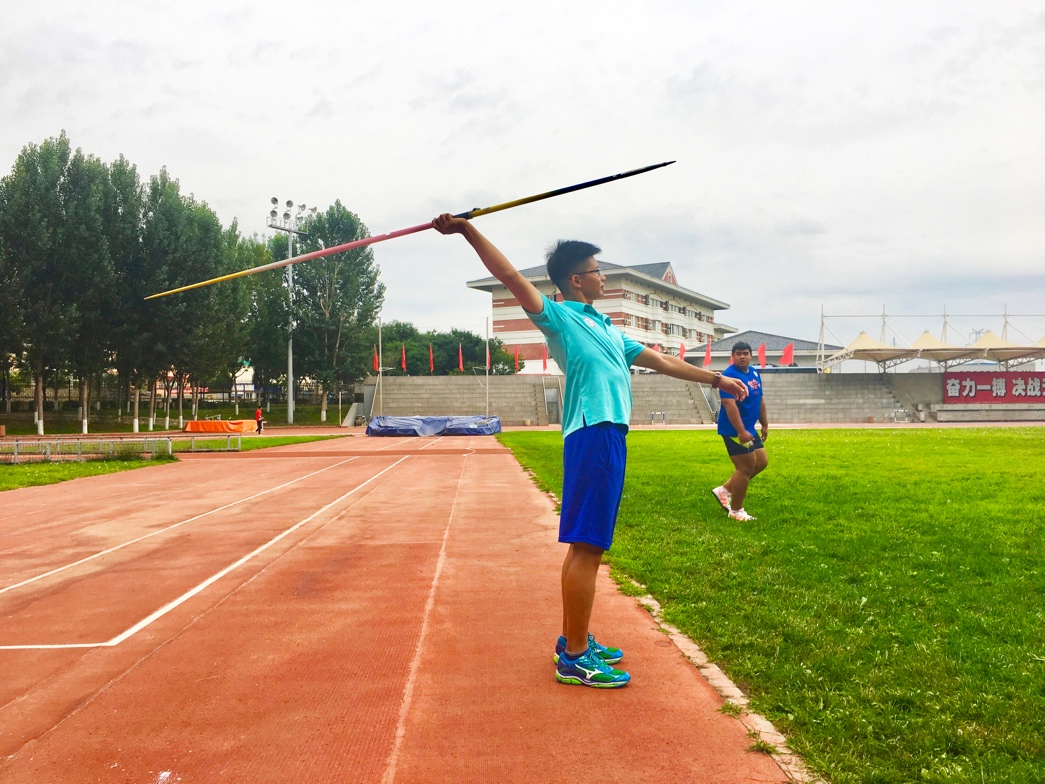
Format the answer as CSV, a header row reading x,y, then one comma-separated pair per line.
x,y
593,463
734,447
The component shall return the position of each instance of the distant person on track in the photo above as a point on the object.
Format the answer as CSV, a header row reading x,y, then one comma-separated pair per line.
x,y
736,425
596,358
258,417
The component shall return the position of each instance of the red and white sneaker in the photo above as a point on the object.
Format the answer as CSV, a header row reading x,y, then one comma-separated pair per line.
x,y
741,515
723,496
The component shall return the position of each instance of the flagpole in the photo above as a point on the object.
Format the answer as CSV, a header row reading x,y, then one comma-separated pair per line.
x,y
380,371
488,366
475,212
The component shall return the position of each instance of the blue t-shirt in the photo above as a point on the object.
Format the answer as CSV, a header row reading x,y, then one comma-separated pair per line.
x,y
595,356
750,407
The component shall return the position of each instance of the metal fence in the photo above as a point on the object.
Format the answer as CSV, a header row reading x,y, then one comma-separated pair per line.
x,y
38,450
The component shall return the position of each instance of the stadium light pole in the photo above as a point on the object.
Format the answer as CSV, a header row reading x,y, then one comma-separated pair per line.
x,y
289,223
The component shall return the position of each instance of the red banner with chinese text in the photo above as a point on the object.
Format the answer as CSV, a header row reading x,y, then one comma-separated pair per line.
x,y
989,386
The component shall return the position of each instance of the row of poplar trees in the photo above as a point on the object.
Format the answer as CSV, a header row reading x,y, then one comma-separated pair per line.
x,y
82,243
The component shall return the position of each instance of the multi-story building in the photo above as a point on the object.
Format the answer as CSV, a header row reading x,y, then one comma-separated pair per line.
x,y
644,300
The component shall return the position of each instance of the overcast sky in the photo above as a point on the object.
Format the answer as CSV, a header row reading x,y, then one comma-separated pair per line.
x,y
835,155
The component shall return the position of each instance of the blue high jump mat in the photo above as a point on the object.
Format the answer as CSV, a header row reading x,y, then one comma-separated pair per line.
x,y
433,426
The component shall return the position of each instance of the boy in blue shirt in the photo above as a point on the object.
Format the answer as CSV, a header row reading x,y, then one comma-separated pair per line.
x,y
736,425
596,358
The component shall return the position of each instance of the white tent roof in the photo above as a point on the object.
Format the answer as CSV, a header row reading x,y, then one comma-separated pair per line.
x,y
997,350
933,348
866,347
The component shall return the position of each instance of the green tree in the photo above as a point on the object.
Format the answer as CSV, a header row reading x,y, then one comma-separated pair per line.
x,y
135,279
181,244
235,302
34,199
214,339
446,347
11,298
267,320
336,300
92,274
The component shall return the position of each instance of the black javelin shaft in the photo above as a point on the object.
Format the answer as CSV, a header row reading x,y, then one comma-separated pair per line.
x,y
473,213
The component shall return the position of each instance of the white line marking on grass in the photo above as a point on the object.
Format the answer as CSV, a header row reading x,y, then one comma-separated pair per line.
x,y
164,530
209,581
415,664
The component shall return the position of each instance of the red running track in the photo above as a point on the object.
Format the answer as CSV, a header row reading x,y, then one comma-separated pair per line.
x,y
356,610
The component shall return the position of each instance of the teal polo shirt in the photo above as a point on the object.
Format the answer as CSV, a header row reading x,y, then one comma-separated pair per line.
x,y
596,357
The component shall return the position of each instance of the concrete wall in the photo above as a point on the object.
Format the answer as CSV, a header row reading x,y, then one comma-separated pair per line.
x,y
673,401
828,397
799,398
515,399
917,392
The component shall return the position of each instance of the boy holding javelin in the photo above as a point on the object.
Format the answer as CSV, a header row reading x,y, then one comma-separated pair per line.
x,y
596,358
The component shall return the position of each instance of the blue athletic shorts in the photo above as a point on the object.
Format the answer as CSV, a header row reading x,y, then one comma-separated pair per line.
x,y
734,447
593,482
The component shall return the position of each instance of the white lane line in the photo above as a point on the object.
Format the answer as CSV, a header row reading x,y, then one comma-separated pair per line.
x,y
164,530
434,442
206,583
415,664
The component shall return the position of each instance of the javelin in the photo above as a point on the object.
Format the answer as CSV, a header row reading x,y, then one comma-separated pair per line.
x,y
473,213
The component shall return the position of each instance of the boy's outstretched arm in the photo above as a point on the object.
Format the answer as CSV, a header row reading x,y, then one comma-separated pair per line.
x,y
529,297
675,367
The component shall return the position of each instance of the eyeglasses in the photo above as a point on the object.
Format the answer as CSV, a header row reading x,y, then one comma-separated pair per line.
x,y
597,271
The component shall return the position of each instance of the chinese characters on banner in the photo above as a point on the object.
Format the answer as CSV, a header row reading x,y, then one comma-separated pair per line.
x,y
993,387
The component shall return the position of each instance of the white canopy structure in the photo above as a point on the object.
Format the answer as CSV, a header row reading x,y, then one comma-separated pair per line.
x,y
988,347
934,349
996,349
867,348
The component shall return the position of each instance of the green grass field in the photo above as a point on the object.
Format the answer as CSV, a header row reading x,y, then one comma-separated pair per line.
x,y
13,477
887,609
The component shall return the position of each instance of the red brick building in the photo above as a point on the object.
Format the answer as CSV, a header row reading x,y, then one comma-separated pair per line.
x,y
644,300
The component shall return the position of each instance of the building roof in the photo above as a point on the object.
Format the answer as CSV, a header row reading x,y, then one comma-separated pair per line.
x,y
773,342
659,274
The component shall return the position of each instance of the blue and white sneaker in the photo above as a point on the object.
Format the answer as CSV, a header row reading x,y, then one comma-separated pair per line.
x,y
589,670
604,652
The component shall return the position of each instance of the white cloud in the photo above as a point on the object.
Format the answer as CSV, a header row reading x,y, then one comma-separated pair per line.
x,y
835,155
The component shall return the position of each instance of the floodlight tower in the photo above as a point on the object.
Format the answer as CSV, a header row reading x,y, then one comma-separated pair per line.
x,y
289,223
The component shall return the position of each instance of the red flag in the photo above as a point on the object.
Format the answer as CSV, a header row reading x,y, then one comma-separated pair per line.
x,y
431,359
656,347
788,357
544,357
707,355
460,358
516,359
682,351
762,355
376,367
402,363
